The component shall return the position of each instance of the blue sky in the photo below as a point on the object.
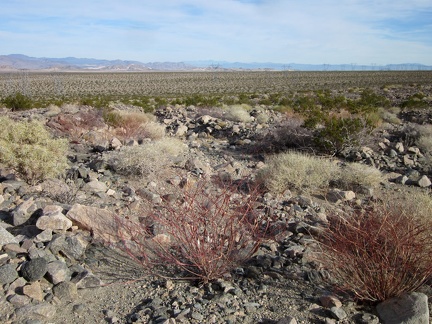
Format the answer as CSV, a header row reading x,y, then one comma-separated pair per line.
x,y
282,31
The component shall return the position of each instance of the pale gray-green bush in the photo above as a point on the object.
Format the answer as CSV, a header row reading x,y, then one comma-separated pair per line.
x,y
238,113
29,149
293,170
147,158
353,176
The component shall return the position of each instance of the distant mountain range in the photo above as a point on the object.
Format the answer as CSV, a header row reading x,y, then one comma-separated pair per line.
x,y
15,62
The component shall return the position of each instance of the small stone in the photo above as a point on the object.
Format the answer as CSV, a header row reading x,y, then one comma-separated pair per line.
x,y
34,269
78,309
367,318
197,316
329,301
19,300
408,161
66,291
336,195
57,271
424,182
86,279
56,221
24,211
39,311
115,143
34,291
8,273
95,186
287,320
6,237
44,236
338,313
399,147
411,308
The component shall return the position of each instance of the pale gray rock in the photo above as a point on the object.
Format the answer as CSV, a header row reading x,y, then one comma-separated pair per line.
x,y
6,237
55,221
66,291
73,247
424,182
58,272
8,273
86,279
95,186
24,211
41,311
336,195
101,222
115,143
287,320
411,308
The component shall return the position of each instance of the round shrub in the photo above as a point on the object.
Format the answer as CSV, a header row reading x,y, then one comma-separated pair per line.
x,y
29,149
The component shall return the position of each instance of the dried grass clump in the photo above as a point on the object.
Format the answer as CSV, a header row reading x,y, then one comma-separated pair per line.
x,y
146,158
377,253
353,176
134,125
203,235
29,149
238,113
424,141
296,170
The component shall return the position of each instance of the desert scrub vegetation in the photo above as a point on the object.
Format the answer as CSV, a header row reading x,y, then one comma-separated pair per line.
x,y
203,235
143,159
134,125
29,149
304,172
294,170
378,252
18,101
357,176
238,113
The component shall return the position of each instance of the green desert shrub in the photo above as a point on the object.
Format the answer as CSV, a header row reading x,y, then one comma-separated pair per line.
x,y
29,149
149,157
293,170
18,101
339,133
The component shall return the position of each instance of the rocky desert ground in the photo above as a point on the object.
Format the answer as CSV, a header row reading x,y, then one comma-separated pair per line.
x,y
74,245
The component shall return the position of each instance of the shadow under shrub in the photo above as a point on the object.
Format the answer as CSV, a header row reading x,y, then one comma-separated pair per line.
x,y
377,253
204,234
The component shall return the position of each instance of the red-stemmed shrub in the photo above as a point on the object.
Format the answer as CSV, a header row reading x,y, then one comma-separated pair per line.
x,y
379,252
203,234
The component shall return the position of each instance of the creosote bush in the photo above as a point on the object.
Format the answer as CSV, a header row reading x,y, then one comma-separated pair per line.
x,y
377,253
29,149
18,101
203,235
